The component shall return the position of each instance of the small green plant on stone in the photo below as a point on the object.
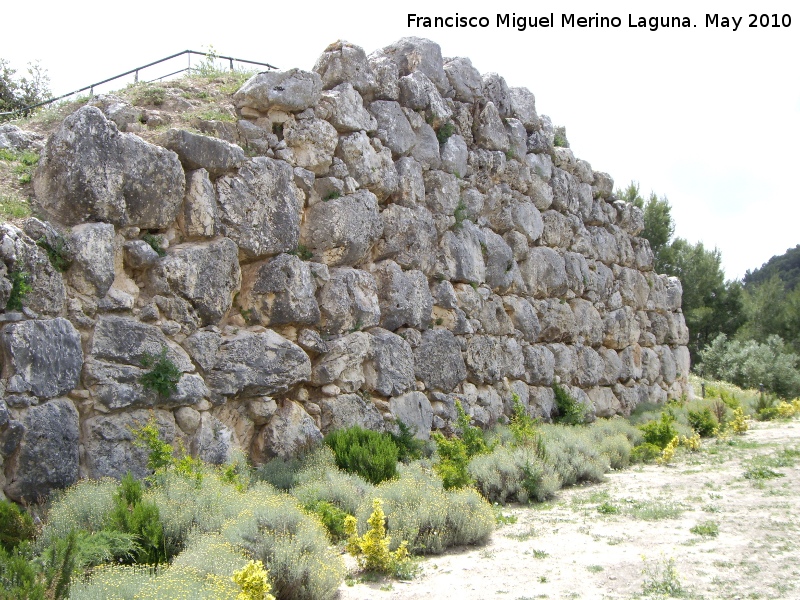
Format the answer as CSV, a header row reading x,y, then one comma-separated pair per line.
x,y
56,252
460,214
570,411
444,133
522,426
409,447
560,138
159,452
20,287
154,242
163,376
332,196
302,252
511,155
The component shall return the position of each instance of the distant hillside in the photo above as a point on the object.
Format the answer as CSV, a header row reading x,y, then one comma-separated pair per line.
x,y
786,266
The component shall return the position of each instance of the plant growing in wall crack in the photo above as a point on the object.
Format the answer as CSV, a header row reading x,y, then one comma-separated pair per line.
x,y
163,375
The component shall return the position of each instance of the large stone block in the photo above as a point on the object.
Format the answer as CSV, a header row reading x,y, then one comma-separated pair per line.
x,y
348,301
414,409
404,297
290,431
293,90
280,291
203,152
438,361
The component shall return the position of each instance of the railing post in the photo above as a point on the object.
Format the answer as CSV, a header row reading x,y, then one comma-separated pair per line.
x,y
136,76
91,92
231,64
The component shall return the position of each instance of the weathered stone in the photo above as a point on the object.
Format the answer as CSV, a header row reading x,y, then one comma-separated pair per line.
x,y
414,409
387,76
206,274
490,132
372,169
43,358
417,92
202,346
542,402
411,190
612,366
348,410
557,321
409,237
495,90
588,321
203,152
343,362
312,142
342,230
523,316
682,362
464,79
188,419
111,447
493,318
426,148
260,209
48,452
502,271
565,362
213,442
454,154
199,217
674,294
92,269
139,254
390,372
14,138
343,108
257,364
590,367
544,273
290,431
460,255
280,291
523,107
651,365
413,54
490,359
343,62
438,362
293,91
348,301
621,328
517,139
441,192
21,254
260,410
89,171
404,297
604,401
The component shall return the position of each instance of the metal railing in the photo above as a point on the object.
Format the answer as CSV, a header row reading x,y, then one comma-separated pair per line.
x,y
135,73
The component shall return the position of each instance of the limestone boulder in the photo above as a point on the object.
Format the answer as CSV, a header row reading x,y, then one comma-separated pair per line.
x,y
392,127
411,189
390,370
312,142
409,237
342,231
418,92
413,54
414,409
496,91
92,268
464,79
199,217
343,362
605,403
523,107
544,273
14,138
348,301
259,208
588,321
371,168
292,91
454,155
557,321
347,410
490,131
203,152
590,367
490,359
252,364
280,291
213,441
524,317
42,358
89,171
343,62
387,76
343,107
438,362
404,296
621,328
460,255
290,431
206,274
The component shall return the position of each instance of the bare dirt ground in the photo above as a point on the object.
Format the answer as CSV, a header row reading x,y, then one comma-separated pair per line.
x,y
617,539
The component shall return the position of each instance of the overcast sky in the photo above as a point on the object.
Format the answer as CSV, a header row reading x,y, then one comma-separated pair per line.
x,y
709,117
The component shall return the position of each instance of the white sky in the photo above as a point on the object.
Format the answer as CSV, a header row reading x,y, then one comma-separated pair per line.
x,y
708,117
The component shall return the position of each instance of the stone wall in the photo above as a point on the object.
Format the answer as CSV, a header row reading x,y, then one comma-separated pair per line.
x,y
390,233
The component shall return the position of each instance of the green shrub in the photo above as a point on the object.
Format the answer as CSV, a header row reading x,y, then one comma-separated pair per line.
x,y
331,517
444,132
429,518
19,577
460,214
280,472
134,515
163,376
645,453
154,241
16,525
344,490
661,432
293,545
570,411
20,287
603,428
453,461
573,454
521,425
703,422
617,449
85,507
366,453
513,475
13,207
408,446
56,253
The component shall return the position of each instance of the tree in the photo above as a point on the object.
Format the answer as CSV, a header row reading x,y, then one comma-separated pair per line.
x,y
17,93
658,224
771,309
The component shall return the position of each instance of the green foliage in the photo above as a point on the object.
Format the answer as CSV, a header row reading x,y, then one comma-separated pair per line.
x,y
19,577
444,132
570,411
323,482
280,472
514,474
372,549
159,452
332,517
163,375
20,287
154,241
522,425
574,454
302,252
456,452
560,137
140,518
254,582
16,525
85,507
370,454
661,578
771,307
748,364
786,267
12,207
460,214
17,93
26,163
149,95
332,196
645,453
56,253
661,432
408,447
703,422
706,529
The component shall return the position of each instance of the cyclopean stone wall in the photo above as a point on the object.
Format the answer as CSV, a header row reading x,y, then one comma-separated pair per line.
x,y
338,264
